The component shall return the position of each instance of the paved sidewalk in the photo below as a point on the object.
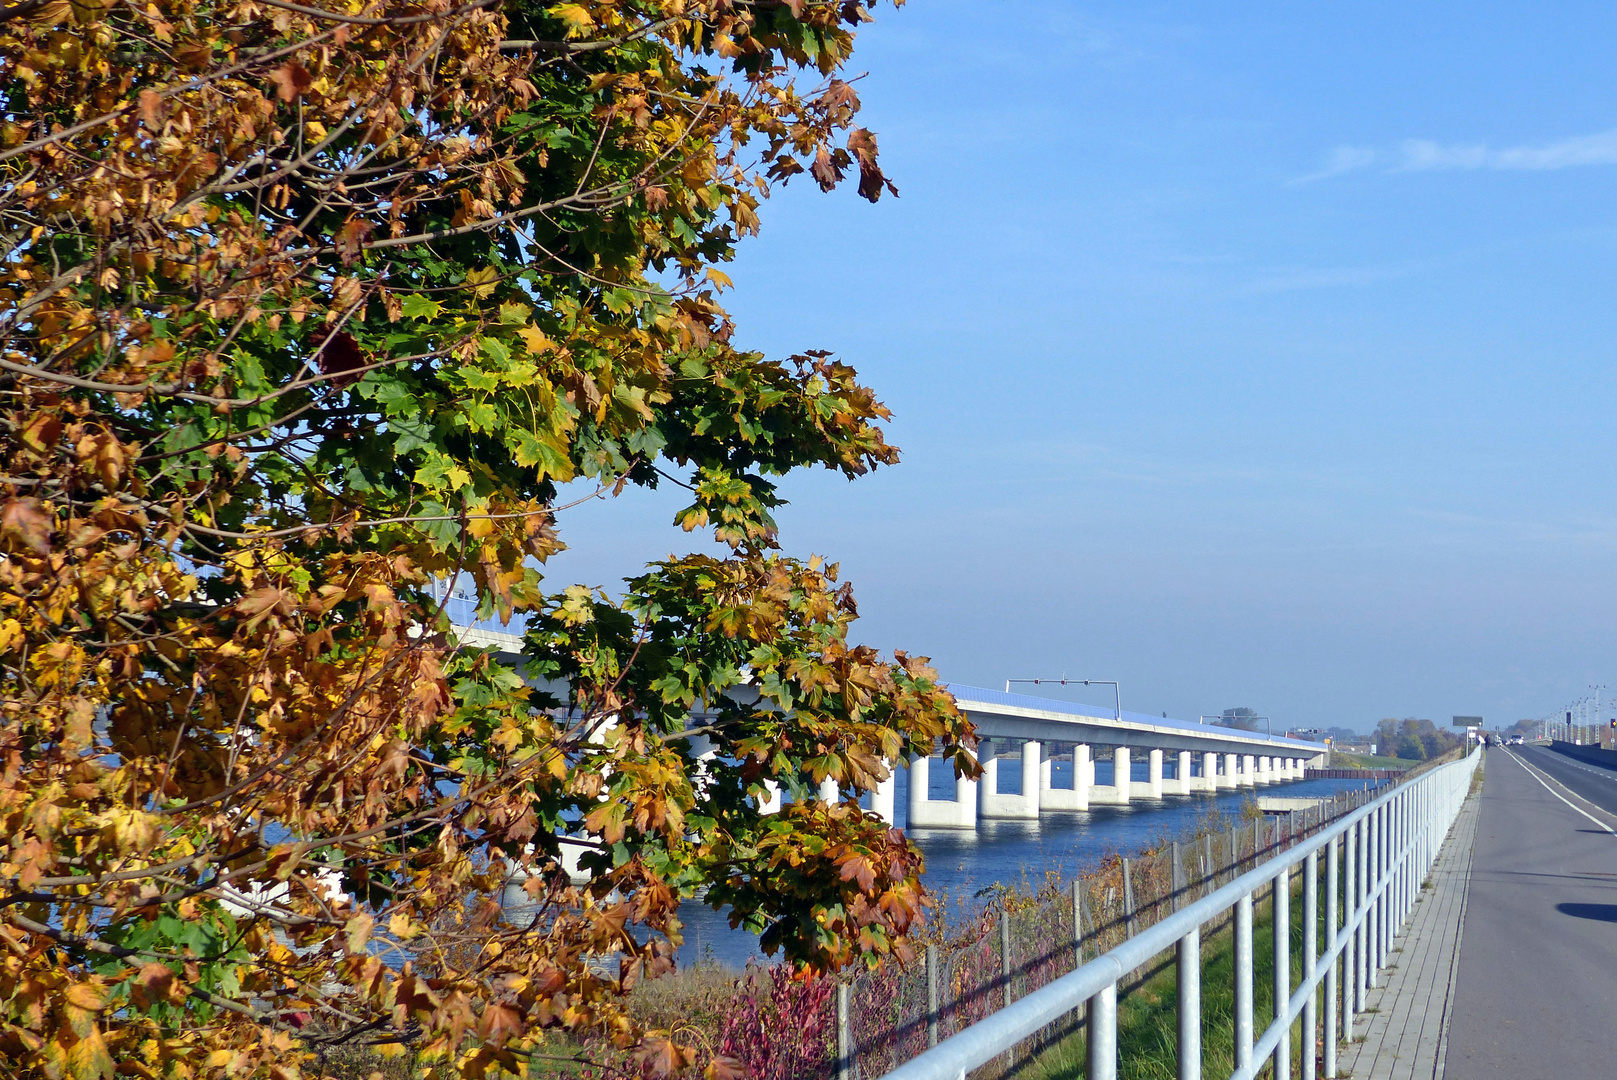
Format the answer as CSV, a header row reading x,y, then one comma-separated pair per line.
x,y
1405,1036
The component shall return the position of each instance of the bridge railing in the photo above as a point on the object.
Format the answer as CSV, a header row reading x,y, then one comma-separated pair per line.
x,y
1376,860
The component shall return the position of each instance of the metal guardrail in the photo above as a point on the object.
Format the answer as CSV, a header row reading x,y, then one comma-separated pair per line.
x,y
1385,847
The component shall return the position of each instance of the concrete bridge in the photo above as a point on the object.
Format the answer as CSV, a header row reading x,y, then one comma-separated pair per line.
x,y
1031,733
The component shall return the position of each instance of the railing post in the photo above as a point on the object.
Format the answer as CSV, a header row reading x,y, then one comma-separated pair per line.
x,y
844,1031
1282,968
933,1005
1243,982
1190,1006
1178,877
1361,936
1372,952
1310,958
1383,871
1333,968
1103,1035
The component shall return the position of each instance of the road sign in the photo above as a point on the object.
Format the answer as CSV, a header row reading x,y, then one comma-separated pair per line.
x,y
1468,721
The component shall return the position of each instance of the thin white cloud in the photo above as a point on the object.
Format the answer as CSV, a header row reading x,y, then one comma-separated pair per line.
x,y
1598,149
1344,159
1426,155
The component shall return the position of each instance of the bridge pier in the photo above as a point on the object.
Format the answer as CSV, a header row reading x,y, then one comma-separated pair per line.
x,y
886,794
1183,787
1209,777
1151,788
1083,776
926,812
1120,789
1263,769
1249,765
992,804
1231,776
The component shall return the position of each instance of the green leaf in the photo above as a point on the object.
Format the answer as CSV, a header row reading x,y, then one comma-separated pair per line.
x,y
416,306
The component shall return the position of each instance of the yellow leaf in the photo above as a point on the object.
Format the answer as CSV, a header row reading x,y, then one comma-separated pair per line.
x,y
719,278
482,280
576,16
88,1059
359,932
536,340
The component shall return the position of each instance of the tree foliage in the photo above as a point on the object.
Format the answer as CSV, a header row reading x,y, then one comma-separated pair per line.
x,y
306,310
1415,740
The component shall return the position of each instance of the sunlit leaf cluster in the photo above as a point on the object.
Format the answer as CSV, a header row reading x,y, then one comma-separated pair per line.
x,y
308,310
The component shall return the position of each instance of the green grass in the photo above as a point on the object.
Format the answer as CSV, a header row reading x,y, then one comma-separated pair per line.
x,y
1341,760
1147,1017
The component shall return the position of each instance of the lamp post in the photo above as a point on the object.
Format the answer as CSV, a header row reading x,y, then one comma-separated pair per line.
x,y
1268,727
1116,690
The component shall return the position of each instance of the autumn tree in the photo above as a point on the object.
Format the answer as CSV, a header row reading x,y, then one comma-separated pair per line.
x,y
306,310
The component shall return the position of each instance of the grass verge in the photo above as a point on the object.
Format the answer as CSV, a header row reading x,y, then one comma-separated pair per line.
x,y
1147,1017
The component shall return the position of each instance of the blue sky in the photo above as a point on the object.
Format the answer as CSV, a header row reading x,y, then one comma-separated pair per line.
x,y
1249,357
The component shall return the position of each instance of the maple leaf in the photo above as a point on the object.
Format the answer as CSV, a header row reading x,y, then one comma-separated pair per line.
x,y
292,80
25,522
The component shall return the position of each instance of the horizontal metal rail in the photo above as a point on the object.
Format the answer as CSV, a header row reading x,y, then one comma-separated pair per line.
x,y
1376,858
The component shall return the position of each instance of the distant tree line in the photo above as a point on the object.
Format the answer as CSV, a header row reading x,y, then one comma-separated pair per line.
x,y
1414,740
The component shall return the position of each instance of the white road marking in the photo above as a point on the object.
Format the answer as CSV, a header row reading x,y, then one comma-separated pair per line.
x,y
1534,773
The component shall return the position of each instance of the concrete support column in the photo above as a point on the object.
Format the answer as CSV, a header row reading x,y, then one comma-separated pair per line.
x,y
988,783
1154,774
1184,778
770,803
1032,773
959,814
1263,769
1248,770
1045,770
882,799
1083,774
1122,775
920,783
1232,772
1209,772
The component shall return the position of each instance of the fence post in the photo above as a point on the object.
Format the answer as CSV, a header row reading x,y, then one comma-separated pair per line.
x,y
1103,1035
1190,1006
844,1031
1331,970
1282,966
1178,876
1243,983
1079,917
932,1004
1128,900
1310,957
1210,869
1005,954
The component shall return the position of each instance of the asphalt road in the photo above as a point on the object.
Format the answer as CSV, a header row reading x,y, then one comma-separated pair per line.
x,y
1536,994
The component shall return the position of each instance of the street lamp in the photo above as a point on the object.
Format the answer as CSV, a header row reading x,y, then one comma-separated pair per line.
x,y
1117,691
1267,726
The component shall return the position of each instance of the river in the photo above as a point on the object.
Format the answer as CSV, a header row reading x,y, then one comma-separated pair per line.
x,y
961,862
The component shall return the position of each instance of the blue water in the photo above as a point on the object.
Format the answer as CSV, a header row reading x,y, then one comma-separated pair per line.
x,y
960,862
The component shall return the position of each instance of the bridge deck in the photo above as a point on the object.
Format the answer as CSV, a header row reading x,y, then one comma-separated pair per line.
x,y
1405,1037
